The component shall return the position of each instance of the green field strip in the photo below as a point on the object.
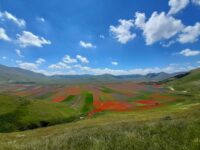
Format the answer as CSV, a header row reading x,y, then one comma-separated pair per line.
x,y
88,103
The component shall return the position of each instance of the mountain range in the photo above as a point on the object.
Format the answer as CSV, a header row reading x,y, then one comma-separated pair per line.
x,y
18,75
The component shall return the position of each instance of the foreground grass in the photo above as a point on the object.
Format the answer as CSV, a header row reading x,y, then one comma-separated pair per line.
x,y
146,130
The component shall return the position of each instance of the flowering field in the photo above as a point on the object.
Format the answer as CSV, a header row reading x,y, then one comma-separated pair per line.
x,y
107,97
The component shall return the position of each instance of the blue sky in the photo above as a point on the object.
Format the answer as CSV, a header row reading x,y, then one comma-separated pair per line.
x,y
100,36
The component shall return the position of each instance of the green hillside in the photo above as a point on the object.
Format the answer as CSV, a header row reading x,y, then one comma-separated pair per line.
x,y
22,114
190,82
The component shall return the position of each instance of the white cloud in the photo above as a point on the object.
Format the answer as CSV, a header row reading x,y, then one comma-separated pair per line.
x,y
197,2
99,71
140,20
86,44
28,66
59,65
29,39
114,63
143,71
188,52
198,62
3,35
177,5
190,34
68,60
50,73
18,52
78,69
64,64
122,32
82,59
55,67
160,27
31,66
40,19
11,17
40,61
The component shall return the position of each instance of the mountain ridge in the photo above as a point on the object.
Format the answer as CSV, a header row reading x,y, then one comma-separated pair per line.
x,y
19,75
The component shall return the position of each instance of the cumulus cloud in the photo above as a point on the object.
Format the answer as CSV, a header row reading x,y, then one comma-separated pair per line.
x,y
28,66
86,44
177,5
8,16
99,71
79,69
143,71
33,66
189,52
29,39
140,20
158,27
190,34
114,63
68,60
197,2
18,52
82,59
122,32
3,35
59,65
40,61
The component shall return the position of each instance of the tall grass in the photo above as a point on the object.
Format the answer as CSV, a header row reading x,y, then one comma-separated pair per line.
x,y
161,135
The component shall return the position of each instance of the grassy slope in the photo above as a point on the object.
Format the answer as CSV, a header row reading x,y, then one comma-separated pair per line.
x,y
190,82
21,114
175,126
188,86
150,129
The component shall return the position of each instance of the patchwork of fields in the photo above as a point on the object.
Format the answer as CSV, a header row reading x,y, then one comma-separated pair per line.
x,y
30,106
97,98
